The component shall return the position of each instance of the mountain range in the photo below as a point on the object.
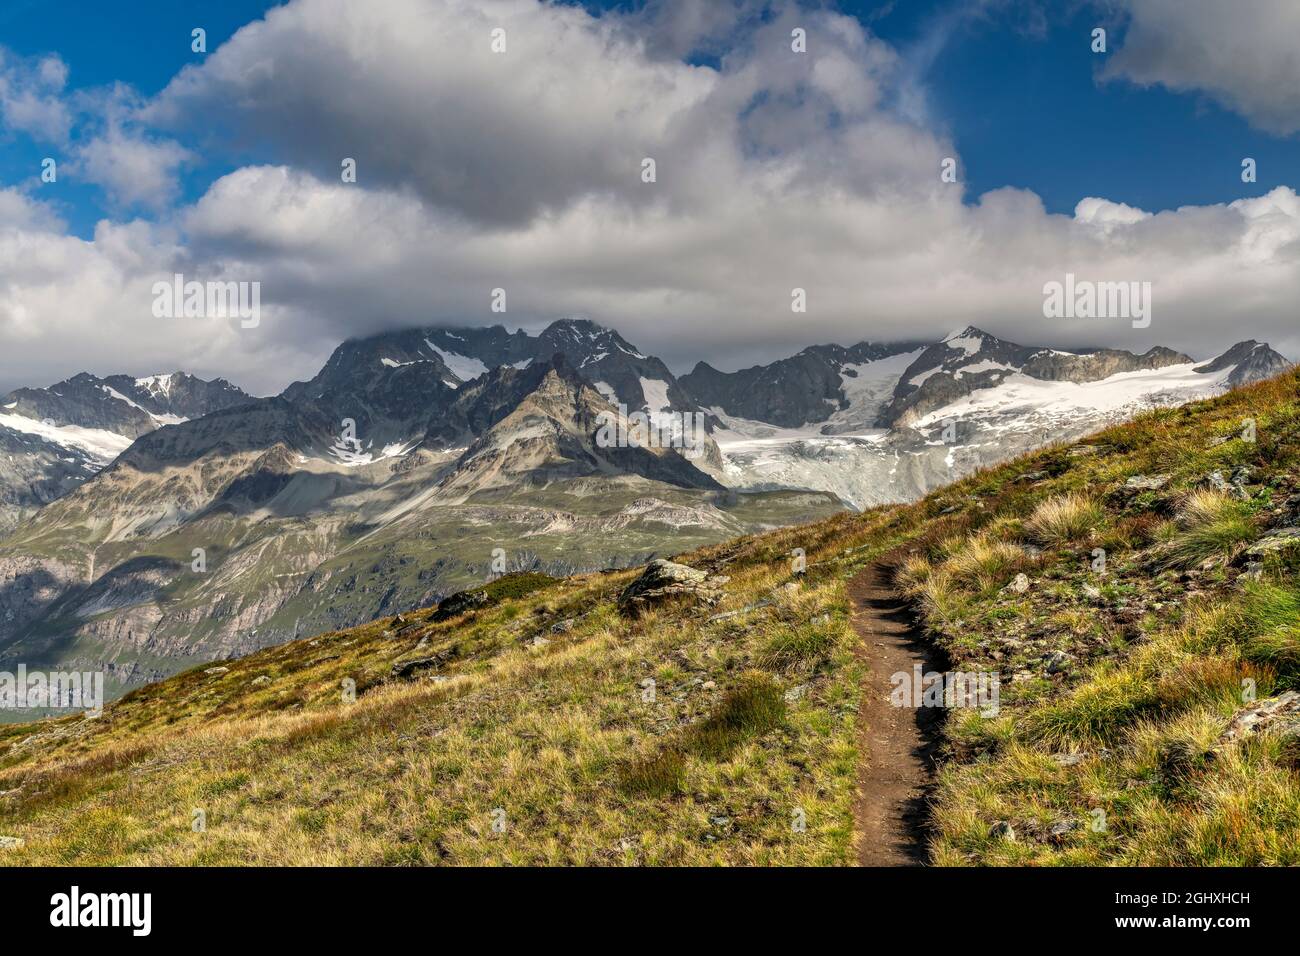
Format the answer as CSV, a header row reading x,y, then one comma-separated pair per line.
x,y
52,439
162,521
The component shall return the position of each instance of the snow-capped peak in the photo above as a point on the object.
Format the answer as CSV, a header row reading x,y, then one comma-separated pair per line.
x,y
157,384
970,340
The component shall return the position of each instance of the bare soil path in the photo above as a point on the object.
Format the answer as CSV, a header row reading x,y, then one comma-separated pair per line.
x,y
897,743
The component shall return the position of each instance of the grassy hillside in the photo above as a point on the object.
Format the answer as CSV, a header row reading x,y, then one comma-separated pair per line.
x,y
528,734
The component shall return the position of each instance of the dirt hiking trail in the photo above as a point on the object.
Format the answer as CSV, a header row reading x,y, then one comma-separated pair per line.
x,y
897,744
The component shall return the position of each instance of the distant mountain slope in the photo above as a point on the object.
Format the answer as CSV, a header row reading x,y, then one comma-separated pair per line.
x,y
813,386
916,420
52,439
317,508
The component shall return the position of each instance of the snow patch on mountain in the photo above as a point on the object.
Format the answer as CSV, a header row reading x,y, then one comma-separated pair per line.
x,y
867,387
100,444
156,384
1021,396
463,367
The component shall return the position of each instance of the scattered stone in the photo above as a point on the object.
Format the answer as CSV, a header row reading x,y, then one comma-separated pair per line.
x,y
1061,829
1220,440
562,627
1031,476
11,843
1274,542
1290,509
398,619
794,693
538,641
1147,482
1003,830
1281,712
1092,592
1069,760
217,670
1057,662
1254,571
708,685
1216,482
720,821
744,610
259,681
405,670
663,581
1020,585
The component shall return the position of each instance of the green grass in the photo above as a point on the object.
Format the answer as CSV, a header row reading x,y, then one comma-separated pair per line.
x,y
1211,527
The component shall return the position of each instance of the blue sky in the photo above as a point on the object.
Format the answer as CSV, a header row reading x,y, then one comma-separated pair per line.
x,y
1022,105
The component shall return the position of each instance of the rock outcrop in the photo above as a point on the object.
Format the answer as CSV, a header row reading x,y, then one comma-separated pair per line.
x,y
666,581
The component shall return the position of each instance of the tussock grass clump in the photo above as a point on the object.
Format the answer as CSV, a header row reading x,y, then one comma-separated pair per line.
x,y
660,774
1211,526
985,563
1064,519
939,599
912,574
1096,712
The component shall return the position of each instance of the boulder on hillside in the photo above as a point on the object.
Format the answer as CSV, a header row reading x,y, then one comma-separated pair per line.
x,y
458,603
1274,542
664,581
1147,482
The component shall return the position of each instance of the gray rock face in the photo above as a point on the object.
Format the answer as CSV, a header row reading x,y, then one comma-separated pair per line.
x,y
1254,362
664,581
791,392
1282,539
1147,482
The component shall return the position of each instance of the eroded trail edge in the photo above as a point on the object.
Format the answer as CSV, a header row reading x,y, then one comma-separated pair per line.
x,y
897,744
